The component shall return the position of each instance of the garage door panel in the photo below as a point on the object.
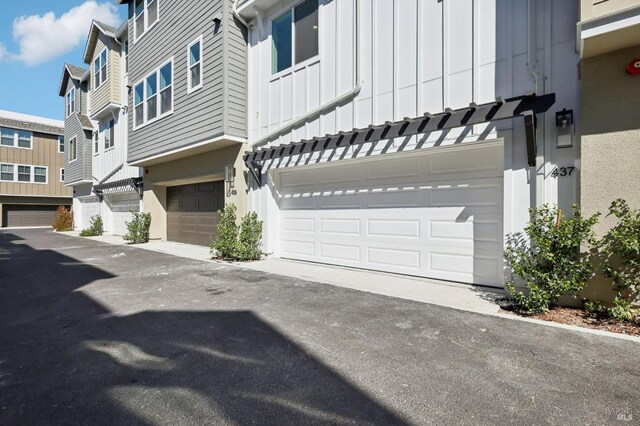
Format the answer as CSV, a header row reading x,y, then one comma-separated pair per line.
x,y
28,215
192,212
446,229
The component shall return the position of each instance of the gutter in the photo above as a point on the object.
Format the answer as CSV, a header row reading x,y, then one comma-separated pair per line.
x,y
237,15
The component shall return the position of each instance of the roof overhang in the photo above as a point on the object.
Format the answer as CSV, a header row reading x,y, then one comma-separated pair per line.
x,y
608,33
106,111
66,74
248,9
123,185
523,106
92,38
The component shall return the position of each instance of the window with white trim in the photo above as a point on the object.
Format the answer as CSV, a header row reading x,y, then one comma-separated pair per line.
x,y
95,142
194,64
70,101
73,149
24,173
294,36
145,15
6,172
60,144
153,96
16,138
100,69
40,174
109,134
61,175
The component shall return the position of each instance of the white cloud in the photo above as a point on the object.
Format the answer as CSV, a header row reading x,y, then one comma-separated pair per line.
x,y
3,51
45,37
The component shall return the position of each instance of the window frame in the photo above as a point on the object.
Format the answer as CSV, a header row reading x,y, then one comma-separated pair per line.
x,y
13,172
70,101
112,134
17,175
146,26
199,40
61,174
73,143
46,174
60,144
16,138
143,81
294,65
95,142
104,65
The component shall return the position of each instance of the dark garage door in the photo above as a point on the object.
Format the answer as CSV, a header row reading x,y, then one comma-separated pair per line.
x,y
26,215
192,212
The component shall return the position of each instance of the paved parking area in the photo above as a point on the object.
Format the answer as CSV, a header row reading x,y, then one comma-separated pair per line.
x,y
105,334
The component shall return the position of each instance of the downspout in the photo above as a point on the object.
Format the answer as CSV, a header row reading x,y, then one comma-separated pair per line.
x,y
538,88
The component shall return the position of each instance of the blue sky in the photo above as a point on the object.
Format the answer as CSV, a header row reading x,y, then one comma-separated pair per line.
x,y
36,38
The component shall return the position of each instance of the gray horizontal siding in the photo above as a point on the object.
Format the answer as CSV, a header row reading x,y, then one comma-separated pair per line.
x,y
197,116
79,169
235,75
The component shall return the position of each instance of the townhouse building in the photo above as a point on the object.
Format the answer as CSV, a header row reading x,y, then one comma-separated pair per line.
x,y
97,132
409,136
31,170
187,113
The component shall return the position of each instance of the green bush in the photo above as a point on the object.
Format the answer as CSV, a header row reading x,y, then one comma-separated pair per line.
x,y
620,248
250,239
238,243
138,228
549,261
226,242
63,220
95,228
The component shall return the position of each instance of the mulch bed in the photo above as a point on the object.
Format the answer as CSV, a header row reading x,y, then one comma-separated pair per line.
x,y
583,318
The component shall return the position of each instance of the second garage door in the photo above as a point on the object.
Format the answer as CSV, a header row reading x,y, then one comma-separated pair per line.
x,y
434,214
28,215
192,212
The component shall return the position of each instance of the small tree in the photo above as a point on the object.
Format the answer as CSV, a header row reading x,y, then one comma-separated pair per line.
x,y
225,244
95,228
549,261
138,228
63,220
250,238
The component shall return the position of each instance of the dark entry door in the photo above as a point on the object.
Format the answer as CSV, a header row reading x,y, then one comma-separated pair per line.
x,y
192,212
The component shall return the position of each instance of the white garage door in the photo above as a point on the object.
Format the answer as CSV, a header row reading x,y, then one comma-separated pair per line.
x,y
433,214
87,207
121,206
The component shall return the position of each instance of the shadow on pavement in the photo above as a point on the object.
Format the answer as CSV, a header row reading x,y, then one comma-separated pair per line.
x,y
65,359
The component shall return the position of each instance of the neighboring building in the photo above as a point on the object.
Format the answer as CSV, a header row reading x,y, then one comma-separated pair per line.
x,y
375,134
609,46
116,186
187,120
97,134
31,170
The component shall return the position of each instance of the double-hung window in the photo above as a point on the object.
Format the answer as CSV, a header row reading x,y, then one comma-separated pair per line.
x,y
146,14
71,101
194,58
24,173
100,69
294,36
73,149
40,174
95,143
61,175
6,172
153,96
16,138
6,137
60,143
24,139
109,134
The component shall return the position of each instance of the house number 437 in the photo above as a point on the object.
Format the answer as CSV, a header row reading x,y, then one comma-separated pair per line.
x,y
562,171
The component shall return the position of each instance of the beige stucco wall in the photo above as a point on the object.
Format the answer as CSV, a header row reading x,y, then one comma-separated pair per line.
x,y
611,140
201,167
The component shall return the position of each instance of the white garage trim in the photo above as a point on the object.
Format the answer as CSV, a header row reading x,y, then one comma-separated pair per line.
x,y
434,213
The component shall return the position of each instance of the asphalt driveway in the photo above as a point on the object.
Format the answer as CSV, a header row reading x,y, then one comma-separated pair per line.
x,y
100,334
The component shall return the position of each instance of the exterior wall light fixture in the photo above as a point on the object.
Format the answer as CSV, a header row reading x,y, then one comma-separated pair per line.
x,y
564,128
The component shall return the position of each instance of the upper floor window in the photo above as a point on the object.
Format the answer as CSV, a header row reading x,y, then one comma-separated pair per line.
x,y
294,36
23,173
61,175
100,69
60,143
95,143
73,149
194,74
6,172
70,101
109,134
40,174
125,55
146,14
153,96
16,138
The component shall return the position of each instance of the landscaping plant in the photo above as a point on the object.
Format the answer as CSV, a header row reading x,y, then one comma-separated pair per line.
x,y
138,228
621,250
63,220
238,243
95,228
548,259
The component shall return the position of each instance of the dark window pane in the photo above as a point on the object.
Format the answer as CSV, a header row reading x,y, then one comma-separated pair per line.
x,y
165,76
195,75
165,101
281,49
306,28
139,94
152,12
152,107
139,114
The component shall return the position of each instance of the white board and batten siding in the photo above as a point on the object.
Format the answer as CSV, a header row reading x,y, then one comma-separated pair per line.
x,y
415,56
